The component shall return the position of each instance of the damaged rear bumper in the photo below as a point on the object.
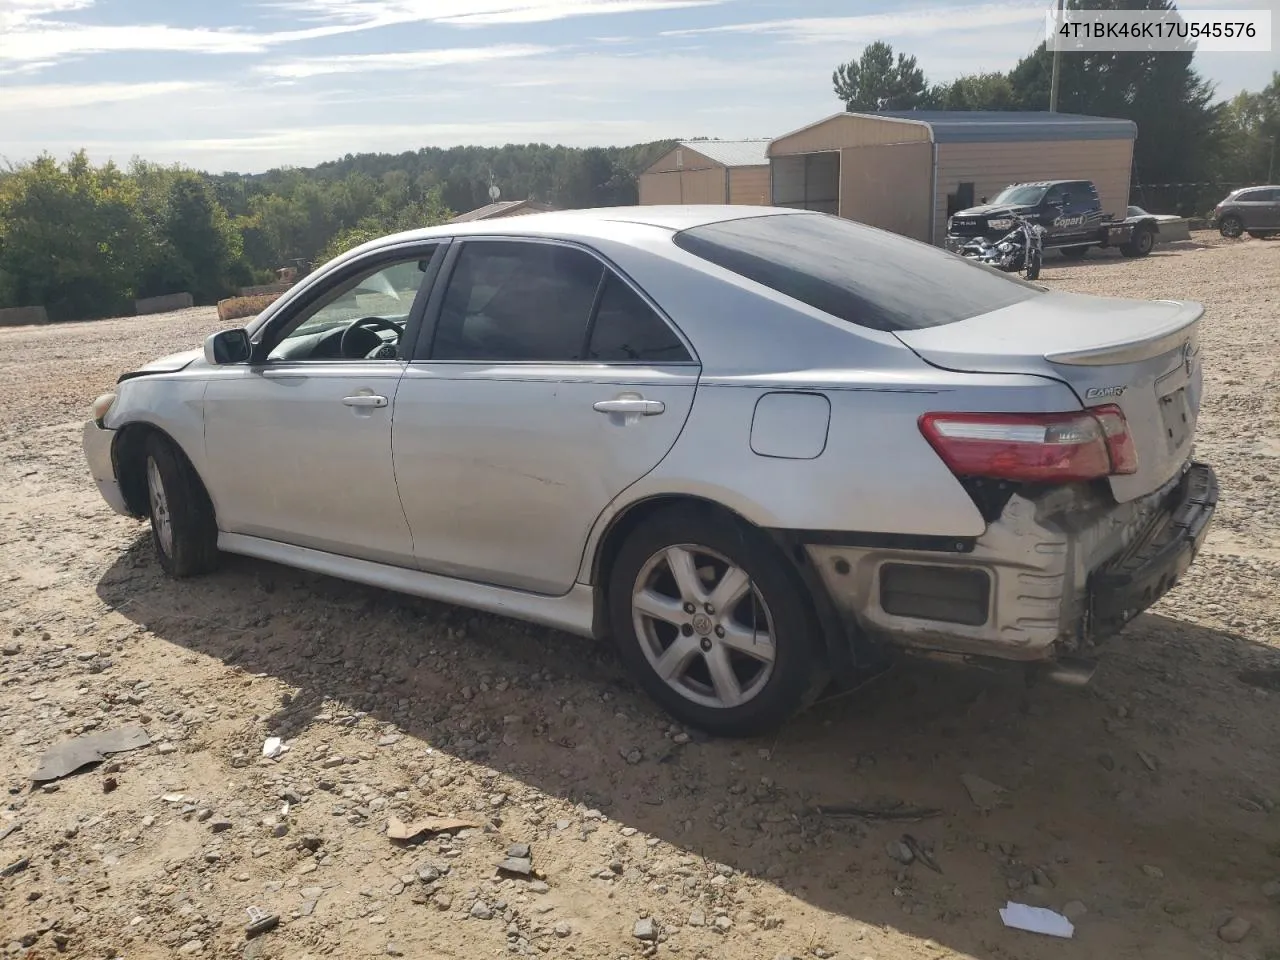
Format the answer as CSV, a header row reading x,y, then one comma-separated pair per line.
x,y
1056,573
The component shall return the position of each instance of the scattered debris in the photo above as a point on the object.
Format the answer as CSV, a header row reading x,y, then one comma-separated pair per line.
x,y
396,830
897,850
109,784
1073,910
66,758
16,867
274,747
1148,761
260,922
645,929
519,861
984,794
1234,930
897,811
921,854
10,829
1019,916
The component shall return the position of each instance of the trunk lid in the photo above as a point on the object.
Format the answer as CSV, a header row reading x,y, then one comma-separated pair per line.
x,y
1143,356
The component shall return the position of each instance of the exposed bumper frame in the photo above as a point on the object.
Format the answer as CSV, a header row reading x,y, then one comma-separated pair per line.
x,y
1067,570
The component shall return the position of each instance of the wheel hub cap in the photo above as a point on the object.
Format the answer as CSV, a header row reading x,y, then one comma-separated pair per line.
x,y
703,626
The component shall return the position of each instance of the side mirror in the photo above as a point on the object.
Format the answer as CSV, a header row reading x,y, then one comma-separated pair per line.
x,y
229,346
983,200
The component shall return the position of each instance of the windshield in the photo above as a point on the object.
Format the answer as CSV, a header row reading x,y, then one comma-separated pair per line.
x,y
866,276
1022,196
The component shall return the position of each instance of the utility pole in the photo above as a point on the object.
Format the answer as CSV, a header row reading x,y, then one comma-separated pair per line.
x,y
1272,162
1057,57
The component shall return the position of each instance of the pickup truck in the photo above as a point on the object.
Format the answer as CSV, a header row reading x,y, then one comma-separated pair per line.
x,y
1068,210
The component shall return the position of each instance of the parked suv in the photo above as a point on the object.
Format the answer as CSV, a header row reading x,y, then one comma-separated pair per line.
x,y
1252,209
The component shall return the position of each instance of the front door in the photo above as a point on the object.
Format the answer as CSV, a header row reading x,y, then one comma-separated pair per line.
x,y
298,442
549,386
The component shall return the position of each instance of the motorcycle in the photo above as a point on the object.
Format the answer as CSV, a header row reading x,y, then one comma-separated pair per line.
x,y
1021,250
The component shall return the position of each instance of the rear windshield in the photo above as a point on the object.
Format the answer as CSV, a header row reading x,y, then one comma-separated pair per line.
x,y
866,276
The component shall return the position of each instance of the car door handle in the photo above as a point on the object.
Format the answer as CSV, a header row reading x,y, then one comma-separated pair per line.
x,y
365,400
633,406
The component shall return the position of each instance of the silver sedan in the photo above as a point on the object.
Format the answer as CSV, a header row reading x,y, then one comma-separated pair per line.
x,y
758,449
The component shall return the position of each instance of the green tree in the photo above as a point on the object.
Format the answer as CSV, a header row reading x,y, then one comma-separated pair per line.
x,y
1178,123
875,81
1250,135
72,237
978,91
206,245
428,211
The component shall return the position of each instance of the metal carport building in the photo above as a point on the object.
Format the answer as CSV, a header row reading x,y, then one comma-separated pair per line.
x,y
908,171
709,171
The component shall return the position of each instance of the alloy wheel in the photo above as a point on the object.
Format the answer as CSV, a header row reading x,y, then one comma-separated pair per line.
x,y
704,626
160,517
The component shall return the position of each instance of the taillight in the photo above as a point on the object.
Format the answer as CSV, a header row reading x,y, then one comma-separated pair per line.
x,y
1033,447
1115,429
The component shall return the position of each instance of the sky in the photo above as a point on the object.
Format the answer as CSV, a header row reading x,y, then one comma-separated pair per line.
x,y
248,85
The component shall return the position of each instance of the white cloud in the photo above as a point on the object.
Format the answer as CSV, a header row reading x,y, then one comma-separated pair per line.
x,y
38,98
939,22
31,33
365,13
413,60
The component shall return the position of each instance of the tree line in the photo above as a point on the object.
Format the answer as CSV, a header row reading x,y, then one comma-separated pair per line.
x,y
86,240
1184,137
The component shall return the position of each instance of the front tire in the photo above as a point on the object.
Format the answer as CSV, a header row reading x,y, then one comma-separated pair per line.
x,y
1033,266
183,529
1231,226
713,624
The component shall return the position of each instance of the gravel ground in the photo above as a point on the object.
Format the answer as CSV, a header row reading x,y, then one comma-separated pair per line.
x,y
1144,806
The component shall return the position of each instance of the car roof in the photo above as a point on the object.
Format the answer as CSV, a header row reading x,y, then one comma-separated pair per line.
x,y
590,222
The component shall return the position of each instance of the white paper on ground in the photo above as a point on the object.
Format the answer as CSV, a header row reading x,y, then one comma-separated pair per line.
x,y
273,748
1036,920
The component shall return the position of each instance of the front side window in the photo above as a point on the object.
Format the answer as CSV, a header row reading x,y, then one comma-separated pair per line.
x,y
869,277
362,318
517,301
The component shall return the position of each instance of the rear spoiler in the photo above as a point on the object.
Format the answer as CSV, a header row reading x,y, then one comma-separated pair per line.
x,y
1168,338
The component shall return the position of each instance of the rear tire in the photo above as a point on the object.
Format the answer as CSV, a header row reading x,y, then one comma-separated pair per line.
x,y
1075,253
1144,238
1231,226
738,671
183,529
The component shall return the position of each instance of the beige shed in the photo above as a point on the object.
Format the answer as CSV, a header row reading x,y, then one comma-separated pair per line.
x,y
709,171
909,171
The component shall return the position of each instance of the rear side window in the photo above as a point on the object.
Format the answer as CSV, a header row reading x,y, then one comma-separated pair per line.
x,y
626,330
857,273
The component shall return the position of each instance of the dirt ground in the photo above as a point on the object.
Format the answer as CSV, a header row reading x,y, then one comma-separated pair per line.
x,y
1144,806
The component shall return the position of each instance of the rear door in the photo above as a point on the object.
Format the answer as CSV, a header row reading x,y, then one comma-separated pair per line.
x,y
1269,209
548,385
1142,355
1256,209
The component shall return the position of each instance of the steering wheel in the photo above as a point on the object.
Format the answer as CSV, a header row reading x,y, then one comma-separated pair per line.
x,y
347,343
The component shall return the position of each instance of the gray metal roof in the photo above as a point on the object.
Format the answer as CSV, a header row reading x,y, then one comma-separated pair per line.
x,y
986,126
732,153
